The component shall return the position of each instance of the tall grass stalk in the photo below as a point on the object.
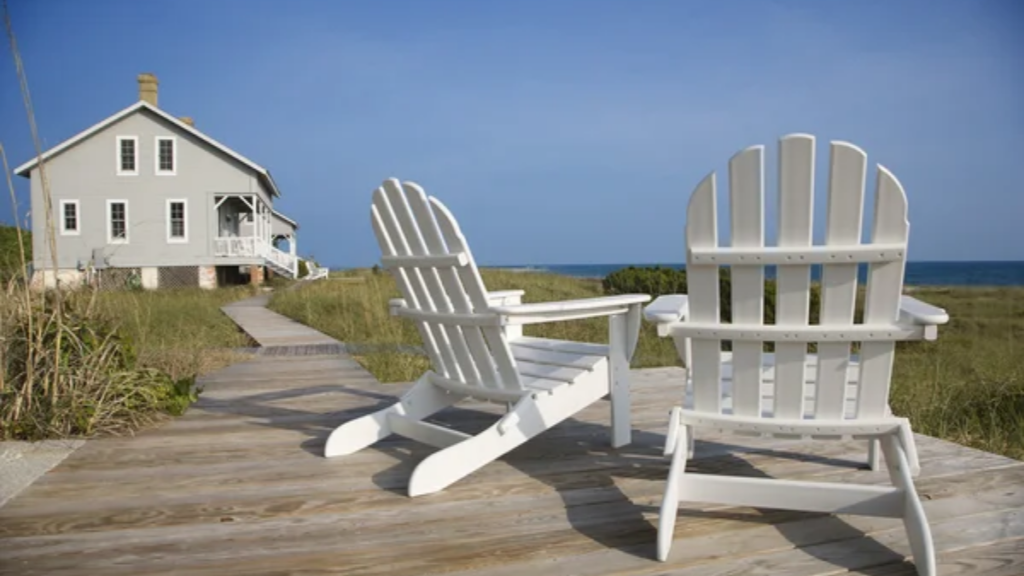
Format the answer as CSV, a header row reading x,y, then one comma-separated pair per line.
x,y
51,233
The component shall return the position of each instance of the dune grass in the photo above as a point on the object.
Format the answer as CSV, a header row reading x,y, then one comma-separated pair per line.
x,y
967,387
182,331
357,312
84,362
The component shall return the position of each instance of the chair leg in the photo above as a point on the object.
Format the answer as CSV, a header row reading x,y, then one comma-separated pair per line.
x,y
910,446
618,381
918,532
531,416
670,502
874,453
420,401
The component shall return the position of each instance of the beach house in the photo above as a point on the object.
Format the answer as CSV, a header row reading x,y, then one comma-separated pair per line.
x,y
144,198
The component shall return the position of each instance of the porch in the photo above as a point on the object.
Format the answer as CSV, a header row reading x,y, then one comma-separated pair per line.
x,y
248,227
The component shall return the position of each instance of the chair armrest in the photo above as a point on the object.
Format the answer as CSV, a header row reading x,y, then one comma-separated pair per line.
x,y
668,309
503,297
394,304
922,313
918,313
570,309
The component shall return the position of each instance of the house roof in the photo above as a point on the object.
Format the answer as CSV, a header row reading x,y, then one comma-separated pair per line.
x,y
24,169
285,218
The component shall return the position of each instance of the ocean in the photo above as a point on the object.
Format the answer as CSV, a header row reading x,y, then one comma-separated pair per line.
x,y
917,273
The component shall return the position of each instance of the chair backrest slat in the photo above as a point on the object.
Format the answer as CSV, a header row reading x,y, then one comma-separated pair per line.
x,y
746,196
847,171
479,362
793,282
438,278
464,370
501,353
841,253
703,289
881,303
391,244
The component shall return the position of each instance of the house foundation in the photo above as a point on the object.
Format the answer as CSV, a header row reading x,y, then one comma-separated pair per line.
x,y
256,275
50,279
208,277
150,278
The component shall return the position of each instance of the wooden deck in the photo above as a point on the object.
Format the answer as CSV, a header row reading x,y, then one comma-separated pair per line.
x,y
238,486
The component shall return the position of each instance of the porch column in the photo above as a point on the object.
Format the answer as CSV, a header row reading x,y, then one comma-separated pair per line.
x,y
291,244
268,213
255,220
255,217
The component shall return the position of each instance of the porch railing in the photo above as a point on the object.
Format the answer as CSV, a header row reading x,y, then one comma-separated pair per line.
x,y
250,246
235,246
283,259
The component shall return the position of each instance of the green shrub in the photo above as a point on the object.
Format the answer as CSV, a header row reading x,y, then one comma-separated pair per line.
x,y
659,281
303,269
10,252
656,281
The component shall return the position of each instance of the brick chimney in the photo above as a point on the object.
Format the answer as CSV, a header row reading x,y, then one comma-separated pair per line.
x,y
148,87
188,120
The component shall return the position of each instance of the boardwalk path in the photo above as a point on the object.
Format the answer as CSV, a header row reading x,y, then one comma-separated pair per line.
x,y
238,486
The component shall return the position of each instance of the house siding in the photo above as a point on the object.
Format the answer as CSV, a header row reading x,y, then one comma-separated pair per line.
x,y
87,172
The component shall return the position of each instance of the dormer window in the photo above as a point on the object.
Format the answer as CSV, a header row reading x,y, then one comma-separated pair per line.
x,y
166,155
127,155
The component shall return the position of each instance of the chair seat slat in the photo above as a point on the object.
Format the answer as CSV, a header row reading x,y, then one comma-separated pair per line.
x,y
566,346
554,357
565,374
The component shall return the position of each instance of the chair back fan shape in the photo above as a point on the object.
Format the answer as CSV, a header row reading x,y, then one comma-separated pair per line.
x,y
477,351
445,296
747,255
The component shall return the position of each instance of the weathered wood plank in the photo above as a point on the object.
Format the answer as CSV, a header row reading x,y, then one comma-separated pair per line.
x,y
238,486
1005,558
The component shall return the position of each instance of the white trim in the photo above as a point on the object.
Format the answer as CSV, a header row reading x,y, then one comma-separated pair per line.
x,y
78,218
110,235
167,218
24,169
156,156
117,148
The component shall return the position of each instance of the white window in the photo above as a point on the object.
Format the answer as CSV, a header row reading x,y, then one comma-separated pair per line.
x,y
117,221
166,155
69,218
127,155
177,221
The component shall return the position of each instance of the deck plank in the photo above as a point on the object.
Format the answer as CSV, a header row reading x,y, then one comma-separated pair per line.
x,y
238,486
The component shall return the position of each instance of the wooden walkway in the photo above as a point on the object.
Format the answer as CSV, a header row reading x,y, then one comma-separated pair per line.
x,y
238,486
270,329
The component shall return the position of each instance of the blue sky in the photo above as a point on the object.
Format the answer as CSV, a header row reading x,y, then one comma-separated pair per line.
x,y
564,131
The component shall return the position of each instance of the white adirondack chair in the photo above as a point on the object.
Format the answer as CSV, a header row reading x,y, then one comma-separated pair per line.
x,y
476,348
315,272
829,395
